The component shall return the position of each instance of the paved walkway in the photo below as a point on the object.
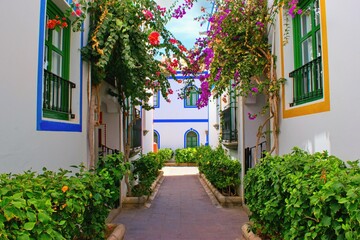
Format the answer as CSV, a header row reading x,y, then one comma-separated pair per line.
x,y
182,210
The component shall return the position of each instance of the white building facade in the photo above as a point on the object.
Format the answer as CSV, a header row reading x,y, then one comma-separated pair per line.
x,y
179,123
319,100
43,89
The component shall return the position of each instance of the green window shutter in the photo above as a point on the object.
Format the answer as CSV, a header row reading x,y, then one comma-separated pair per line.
x,y
191,96
191,139
57,95
307,84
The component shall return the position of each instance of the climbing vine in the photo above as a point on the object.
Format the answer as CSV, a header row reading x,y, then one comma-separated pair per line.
x,y
237,52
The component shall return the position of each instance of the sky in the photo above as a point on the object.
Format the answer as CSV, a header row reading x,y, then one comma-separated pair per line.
x,y
186,29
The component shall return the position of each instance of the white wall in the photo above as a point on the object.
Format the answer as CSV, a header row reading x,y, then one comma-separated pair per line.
x,y
172,133
22,147
214,119
148,125
336,130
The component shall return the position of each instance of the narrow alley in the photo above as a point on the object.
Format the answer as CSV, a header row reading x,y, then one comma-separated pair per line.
x,y
182,210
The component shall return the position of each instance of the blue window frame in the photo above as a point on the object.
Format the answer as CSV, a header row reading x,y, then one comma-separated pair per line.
x,y
157,138
46,123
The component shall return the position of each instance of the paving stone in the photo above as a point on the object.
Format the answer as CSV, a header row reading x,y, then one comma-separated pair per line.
x,y
182,210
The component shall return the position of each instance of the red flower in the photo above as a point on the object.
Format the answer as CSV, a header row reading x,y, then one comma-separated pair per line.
x,y
147,14
78,11
51,24
56,23
174,63
182,48
173,41
154,38
170,91
158,73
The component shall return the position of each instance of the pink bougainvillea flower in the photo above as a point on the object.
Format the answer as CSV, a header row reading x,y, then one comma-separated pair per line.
x,y
255,90
252,116
173,41
171,70
147,14
260,24
170,91
299,11
154,38
162,10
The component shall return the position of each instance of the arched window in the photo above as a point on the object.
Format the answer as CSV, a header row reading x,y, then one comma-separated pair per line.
x,y
191,96
157,138
191,139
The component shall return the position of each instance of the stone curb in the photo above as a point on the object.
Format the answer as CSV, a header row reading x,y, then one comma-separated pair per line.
x,y
173,164
223,200
118,233
248,234
212,197
144,200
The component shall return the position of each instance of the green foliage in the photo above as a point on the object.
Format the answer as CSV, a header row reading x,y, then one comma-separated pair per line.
x,y
119,49
185,155
54,205
219,169
115,166
311,196
146,169
163,155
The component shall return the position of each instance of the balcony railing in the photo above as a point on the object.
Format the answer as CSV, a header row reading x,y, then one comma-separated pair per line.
x,y
308,85
57,98
250,155
104,150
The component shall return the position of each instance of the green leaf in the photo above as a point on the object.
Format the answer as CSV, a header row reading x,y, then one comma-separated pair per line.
x,y
326,221
29,225
44,217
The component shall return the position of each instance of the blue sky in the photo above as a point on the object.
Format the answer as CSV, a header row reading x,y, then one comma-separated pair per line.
x,y
186,29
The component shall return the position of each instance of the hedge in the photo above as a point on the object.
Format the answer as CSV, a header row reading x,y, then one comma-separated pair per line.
x,y
185,155
55,205
304,196
219,169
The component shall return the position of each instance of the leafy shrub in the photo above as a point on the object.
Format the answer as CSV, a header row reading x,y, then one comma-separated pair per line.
x,y
219,169
146,169
312,196
54,205
114,165
185,155
163,155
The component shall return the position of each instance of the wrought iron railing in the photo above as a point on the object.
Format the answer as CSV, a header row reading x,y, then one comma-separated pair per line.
x,y
57,98
308,85
250,154
104,150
